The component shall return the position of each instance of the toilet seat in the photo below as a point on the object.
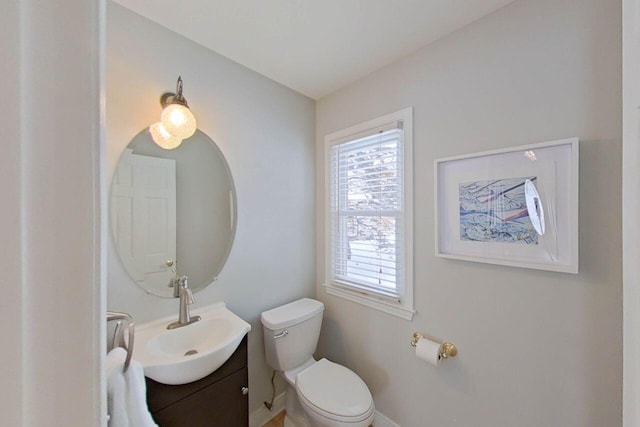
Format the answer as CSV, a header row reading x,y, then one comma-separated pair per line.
x,y
334,392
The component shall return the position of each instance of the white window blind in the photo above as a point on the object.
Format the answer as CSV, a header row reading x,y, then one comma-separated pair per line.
x,y
366,206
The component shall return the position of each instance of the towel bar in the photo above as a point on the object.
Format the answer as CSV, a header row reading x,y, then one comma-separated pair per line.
x,y
118,333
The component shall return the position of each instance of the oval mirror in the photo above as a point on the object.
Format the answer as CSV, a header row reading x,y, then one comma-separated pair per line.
x,y
173,212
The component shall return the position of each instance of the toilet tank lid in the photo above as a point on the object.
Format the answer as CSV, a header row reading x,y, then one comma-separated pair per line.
x,y
291,314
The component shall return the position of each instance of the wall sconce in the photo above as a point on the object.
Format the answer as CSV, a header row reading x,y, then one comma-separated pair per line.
x,y
176,121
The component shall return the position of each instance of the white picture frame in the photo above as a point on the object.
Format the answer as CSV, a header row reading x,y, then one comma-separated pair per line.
x,y
516,207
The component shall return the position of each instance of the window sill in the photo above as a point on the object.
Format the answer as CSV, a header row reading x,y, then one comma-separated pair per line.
x,y
380,304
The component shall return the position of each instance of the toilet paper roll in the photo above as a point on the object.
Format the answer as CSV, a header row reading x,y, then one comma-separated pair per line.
x,y
429,351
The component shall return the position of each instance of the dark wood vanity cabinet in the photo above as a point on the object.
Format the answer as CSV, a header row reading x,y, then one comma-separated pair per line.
x,y
218,400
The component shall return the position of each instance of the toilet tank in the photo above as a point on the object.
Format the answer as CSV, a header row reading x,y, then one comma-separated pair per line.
x,y
291,333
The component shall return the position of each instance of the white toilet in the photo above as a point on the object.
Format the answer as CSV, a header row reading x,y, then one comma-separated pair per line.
x,y
319,394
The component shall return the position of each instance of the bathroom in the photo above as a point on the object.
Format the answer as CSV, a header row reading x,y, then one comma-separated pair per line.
x,y
535,347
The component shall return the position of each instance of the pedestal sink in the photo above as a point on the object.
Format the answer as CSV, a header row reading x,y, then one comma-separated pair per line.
x,y
188,353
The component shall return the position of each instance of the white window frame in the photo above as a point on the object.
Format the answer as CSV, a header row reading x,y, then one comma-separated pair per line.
x,y
403,306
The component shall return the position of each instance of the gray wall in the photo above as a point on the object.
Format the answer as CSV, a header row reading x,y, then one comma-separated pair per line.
x,y
535,348
265,131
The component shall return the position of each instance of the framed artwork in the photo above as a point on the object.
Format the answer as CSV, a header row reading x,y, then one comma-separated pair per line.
x,y
517,206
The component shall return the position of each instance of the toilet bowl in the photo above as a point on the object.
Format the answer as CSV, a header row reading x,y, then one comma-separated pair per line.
x,y
332,395
319,393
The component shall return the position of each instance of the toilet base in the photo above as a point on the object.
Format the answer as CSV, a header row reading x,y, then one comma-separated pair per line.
x,y
294,416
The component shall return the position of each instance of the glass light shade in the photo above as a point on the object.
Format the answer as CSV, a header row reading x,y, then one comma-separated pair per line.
x,y
163,138
178,120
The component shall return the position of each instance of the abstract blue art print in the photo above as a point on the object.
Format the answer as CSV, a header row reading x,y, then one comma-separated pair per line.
x,y
496,211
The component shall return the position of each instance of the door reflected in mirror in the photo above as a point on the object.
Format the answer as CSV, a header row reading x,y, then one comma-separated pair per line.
x,y
173,212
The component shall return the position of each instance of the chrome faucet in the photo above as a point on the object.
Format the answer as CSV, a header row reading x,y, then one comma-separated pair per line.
x,y
186,299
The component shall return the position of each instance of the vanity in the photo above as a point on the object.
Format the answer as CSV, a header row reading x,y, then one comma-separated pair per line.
x,y
219,399
196,374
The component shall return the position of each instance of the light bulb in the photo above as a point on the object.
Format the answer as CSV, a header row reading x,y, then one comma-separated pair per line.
x,y
163,138
178,120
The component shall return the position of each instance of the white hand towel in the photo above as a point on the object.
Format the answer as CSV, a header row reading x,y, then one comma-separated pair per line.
x,y
137,408
116,388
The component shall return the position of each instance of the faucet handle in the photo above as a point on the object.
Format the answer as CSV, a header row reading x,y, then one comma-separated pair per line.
x,y
185,292
188,296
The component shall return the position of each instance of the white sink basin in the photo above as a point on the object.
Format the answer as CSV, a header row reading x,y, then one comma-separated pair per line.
x,y
188,353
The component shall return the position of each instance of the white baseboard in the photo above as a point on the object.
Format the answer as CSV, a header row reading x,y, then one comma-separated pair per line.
x,y
262,415
380,420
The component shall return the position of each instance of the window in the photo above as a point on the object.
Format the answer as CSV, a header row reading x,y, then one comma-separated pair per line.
x,y
369,217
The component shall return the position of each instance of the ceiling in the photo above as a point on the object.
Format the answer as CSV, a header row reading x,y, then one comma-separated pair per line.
x,y
313,46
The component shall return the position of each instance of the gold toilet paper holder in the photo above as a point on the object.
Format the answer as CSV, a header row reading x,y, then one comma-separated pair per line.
x,y
447,349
